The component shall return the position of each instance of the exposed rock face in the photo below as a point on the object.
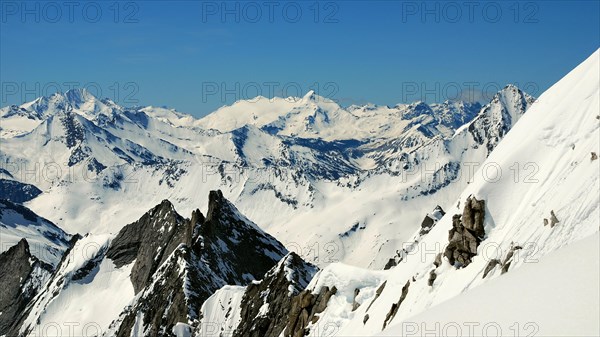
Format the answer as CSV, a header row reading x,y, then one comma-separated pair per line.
x,y
490,266
266,304
355,304
149,242
553,220
180,262
377,294
431,219
473,216
504,265
16,191
466,233
21,276
432,277
498,117
509,258
394,309
303,310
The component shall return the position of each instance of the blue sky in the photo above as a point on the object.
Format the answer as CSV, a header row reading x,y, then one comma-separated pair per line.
x,y
198,55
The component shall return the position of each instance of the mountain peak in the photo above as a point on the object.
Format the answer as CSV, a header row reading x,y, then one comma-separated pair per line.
x,y
78,95
310,95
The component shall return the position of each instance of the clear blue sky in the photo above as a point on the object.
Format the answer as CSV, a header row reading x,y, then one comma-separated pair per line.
x,y
182,53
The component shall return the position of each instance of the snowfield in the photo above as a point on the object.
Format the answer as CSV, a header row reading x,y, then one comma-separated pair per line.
x,y
555,296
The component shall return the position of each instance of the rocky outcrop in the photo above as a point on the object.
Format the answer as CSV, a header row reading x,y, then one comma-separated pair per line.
x,y
490,266
179,263
21,277
149,242
466,234
394,309
473,216
16,191
552,221
266,305
304,310
509,258
504,265
431,219
432,277
377,294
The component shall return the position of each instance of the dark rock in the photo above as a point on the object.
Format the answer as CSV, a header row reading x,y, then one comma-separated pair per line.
x,y
509,257
431,219
432,277
377,294
19,284
464,238
390,264
553,219
490,266
365,319
149,241
17,192
394,309
473,216
355,304
277,289
438,260
594,156
305,307
190,259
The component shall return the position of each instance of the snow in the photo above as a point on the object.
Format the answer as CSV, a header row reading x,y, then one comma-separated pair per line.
x,y
558,134
558,296
182,330
221,312
294,184
84,306
46,241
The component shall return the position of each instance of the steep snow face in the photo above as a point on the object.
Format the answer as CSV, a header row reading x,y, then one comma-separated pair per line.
x,y
46,241
528,214
84,294
530,300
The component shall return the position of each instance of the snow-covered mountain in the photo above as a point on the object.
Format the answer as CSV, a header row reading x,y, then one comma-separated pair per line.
x,y
297,166
309,229
46,241
155,273
541,227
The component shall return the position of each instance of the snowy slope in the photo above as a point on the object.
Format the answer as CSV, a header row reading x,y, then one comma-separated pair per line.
x,y
46,241
558,135
534,299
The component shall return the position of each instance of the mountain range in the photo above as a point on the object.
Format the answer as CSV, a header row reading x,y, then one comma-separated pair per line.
x,y
306,218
